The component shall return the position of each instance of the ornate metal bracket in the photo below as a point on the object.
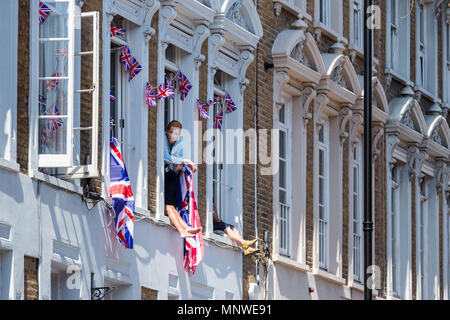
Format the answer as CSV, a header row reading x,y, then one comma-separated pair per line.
x,y
99,293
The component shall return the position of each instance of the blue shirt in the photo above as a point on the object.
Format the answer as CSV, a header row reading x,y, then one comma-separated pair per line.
x,y
174,154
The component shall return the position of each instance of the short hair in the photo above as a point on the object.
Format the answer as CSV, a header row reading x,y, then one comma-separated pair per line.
x,y
174,123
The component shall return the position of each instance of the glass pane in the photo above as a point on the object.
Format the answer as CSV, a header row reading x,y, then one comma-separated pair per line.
x,y
321,135
321,212
321,191
393,9
282,116
52,135
282,196
54,57
282,174
53,93
321,163
283,144
55,26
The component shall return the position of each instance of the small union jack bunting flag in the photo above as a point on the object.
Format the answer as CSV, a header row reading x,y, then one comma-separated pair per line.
x,y
125,58
150,96
44,12
116,31
54,123
185,85
111,97
52,84
135,68
164,91
230,104
218,120
203,110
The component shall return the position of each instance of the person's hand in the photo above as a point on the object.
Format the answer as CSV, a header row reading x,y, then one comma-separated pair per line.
x,y
190,164
178,167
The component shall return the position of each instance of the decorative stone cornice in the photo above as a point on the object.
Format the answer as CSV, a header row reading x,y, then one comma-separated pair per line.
x,y
309,94
201,33
413,151
281,80
377,133
345,113
277,9
246,58
441,175
167,14
392,141
356,122
320,101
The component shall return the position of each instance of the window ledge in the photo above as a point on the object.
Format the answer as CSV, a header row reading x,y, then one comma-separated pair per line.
x,y
143,212
292,8
329,276
330,32
288,262
220,240
56,182
9,165
426,93
398,77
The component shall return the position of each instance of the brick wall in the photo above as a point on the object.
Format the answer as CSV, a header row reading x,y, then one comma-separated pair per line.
x,y
31,283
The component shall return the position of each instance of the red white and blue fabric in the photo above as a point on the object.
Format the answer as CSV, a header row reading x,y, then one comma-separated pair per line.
x,y
54,123
111,97
203,110
111,123
218,120
62,52
150,96
52,84
164,91
135,68
231,106
116,31
44,139
121,196
44,12
126,58
43,170
194,249
185,85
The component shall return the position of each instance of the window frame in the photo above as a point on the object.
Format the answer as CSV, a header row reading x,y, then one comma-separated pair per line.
x,y
395,201
357,220
357,27
286,238
323,146
423,209
324,12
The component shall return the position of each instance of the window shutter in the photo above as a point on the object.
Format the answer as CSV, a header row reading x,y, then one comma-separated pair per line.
x,y
86,97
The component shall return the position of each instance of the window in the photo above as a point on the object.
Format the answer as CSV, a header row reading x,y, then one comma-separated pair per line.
x,y
325,12
421,31
357,24
66,115
357,216
171,106
395,203
284,180
118,90
323,196
394,35
422,228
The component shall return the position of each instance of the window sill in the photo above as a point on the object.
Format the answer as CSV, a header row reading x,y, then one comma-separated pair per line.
x,y
398,77
289,7
288,262
330,32
143,212
220,240
56,182
426,93
9,165
329,276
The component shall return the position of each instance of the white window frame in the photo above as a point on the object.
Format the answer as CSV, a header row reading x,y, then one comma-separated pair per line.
x,y
358,19
422,220
173,105
324,12
394,228
357,197
323,224
9,158
65,161
421,45
286,220
394,31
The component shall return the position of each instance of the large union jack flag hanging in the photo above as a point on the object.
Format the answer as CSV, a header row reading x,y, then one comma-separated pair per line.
x,y
135,68
150,96
218,120
44,12
121,196
194,249
126,58
231,106
185,85
116,31
54,123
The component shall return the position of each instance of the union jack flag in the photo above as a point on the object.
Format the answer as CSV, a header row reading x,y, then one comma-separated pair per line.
x,y
164,91
194,249
115,31
52,84
43,170
44,12
62,52
54,123
230,104
185,85
111,97
203,109
125,58
121,196
218,120
135,68
150,96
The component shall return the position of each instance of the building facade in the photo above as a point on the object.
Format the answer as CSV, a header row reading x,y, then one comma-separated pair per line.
x,y
287,165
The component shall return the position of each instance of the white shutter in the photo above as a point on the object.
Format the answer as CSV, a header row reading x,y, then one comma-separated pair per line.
x,y
86,94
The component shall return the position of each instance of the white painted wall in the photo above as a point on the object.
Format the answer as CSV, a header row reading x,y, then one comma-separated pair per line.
x,y
55,226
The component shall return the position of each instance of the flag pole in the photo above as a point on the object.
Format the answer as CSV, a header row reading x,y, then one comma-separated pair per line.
x,y
368,224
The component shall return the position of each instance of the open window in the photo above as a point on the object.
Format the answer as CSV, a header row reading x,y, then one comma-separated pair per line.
x,y
68,91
